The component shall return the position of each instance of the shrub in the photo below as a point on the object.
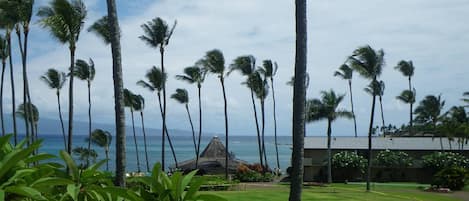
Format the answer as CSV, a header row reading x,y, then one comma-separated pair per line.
x,y
252,173
440,160
394,159
453,178
348,159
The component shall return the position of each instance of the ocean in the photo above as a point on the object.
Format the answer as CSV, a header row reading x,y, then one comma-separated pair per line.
x,y
244,148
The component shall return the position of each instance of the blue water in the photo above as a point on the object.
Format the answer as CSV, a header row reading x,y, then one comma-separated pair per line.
x,y
244,148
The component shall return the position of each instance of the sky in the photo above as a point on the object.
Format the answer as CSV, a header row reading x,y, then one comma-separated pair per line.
x,y
433,34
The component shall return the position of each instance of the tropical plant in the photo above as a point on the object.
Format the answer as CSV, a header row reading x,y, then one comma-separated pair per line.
x,y
64,19
348,159
139,105
103,139
466,98
32,118
85,155
326,108
56,80
157,35
440,160
407,69
408,97
195,75
101,29
393,159
377,89
369,64
129,101
454,124
214,62
429,112
85,71
346,73
454,178
3,56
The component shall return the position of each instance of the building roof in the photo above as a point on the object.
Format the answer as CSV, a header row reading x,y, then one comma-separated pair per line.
x,y
383,143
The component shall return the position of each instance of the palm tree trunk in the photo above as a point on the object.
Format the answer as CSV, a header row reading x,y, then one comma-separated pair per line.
x,y
370,132
26,110
329,152
135,139
70,99
1,97
259,142
12,80
353,111
200,128
264,151
382,114
118,92
167,134
299,100
89,121
411,105
193,132
275,123
107,159
145,142
61,120
28,94
227,152
164,109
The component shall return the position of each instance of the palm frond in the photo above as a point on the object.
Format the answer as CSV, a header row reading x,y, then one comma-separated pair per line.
x,y
181,96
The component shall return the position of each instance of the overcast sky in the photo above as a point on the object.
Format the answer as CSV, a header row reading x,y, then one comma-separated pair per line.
x,y
433,34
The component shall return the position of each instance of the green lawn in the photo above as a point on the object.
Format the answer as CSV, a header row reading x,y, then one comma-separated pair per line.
x,y
384,192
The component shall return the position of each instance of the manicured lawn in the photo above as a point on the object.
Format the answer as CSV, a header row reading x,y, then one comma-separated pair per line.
x,y
355,191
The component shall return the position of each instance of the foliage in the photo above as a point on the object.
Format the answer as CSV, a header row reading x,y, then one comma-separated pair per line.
x,y
348,159
252,173
393,159
441,160
453,178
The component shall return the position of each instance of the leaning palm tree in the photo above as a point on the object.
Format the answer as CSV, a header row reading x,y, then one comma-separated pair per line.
x,y
85,71
3,57
408,97
465,98
56,80
64,19
214,62
246,65
346,73
407,69
369,64
101,138
326,108
156,79
269,70
101,29
195,75
32,118
139,105
429,112
129,99
157,35
377,89
182,97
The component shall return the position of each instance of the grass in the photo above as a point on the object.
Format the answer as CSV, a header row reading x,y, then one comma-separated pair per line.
x,y
355,191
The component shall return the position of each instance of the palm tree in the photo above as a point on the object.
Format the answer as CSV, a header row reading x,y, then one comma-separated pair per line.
x,y
157,35
214,62
269,70
369,64
56,80
32,118
182,97
195,75
129,99
299,99
326,108
466,98
377,89
346,73
408,97
101,138
85,71
113,25
156,79
64,19
246,65
101,29
139,105
407,69
3,56
429,112
84,156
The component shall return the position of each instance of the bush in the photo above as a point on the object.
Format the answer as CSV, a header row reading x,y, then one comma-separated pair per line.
x,y
441,160
453,178
348,159
252,173
393,159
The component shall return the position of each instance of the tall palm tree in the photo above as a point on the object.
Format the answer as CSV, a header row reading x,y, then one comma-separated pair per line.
x,y
64,19
129,99
113,25
408,97
157,35
101,29
246,65
85,71
32,118
299,99
369,64
139,105
214,62
269,70
429,112
3,56
407,69
346,73
103,139
377,89
156,79
182,97
326,108
195,75
56,80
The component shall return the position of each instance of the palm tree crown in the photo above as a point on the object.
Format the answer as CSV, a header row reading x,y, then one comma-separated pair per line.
x,y
246,65
157,33
344,72
3,49
156,80
367,62
181,96
101,29
84,71
407,96
21,112
429,109
268,69
193,74
54,79
101,138
406,68
326,107
213,62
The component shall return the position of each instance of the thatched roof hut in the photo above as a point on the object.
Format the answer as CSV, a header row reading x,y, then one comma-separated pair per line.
x,y
212,160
